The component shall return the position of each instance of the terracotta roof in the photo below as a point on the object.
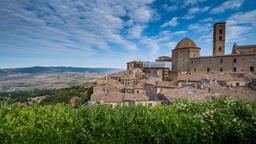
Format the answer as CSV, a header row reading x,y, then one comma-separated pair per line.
x,y
129,87
140,85
186,43
190,77
135,97
123,75
119,97
113,97
115,84
152,80
187,92
166,84
97,94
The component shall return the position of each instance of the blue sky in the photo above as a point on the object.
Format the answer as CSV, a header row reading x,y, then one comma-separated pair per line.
x,y
108,33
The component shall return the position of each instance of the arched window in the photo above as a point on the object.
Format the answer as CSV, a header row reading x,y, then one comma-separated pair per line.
x,y
220,31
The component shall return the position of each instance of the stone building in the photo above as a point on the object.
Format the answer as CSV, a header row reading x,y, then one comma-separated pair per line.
x,y
134,64
164,58
182,53
159,69
186,56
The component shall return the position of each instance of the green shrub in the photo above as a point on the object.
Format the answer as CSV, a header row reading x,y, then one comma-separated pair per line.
x,y
221,121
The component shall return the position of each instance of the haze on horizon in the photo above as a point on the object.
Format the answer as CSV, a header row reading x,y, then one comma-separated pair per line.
x,y
108,33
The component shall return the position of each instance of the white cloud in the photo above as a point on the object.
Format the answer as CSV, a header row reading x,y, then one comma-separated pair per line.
x,y
152,45
142,15
136,31
192,2
179,32
243,18
172,22
206,20
193,11
231,4
170,45
77,26
241,25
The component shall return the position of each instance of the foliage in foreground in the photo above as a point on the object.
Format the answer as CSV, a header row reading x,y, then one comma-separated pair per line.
x,y
221,121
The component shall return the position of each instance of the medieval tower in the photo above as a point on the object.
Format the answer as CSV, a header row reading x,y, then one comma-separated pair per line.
x,y
219,31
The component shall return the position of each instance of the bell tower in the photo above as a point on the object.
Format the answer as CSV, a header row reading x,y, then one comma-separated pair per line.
x,y
219,32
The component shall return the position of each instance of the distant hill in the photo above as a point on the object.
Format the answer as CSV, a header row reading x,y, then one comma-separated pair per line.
x,y
37,69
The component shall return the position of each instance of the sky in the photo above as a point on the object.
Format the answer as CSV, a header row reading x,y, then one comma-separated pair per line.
x,y
109,33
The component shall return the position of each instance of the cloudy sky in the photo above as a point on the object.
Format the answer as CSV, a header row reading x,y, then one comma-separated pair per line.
x,y
108,33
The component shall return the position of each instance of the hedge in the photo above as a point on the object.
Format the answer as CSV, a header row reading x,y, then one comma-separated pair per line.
x,y
221,121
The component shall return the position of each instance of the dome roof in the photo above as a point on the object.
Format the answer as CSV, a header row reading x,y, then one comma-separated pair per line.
x,y
185,43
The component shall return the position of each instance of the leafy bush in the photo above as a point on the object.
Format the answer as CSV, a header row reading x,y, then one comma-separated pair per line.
x,y
221,121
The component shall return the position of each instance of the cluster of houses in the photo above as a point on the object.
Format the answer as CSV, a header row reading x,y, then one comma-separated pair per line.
x,y
184,75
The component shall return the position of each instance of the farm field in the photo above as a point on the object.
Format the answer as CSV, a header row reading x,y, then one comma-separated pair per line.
x,y
44,81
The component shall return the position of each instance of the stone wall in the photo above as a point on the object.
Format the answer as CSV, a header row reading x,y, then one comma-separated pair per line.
x,y
227,63
180,58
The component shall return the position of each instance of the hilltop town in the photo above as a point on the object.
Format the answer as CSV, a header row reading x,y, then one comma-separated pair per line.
x,y
185,74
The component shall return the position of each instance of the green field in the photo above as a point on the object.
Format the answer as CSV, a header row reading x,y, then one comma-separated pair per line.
x,y
221,121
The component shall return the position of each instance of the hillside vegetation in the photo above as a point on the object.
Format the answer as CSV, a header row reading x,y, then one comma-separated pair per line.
x,y
51,96
221,121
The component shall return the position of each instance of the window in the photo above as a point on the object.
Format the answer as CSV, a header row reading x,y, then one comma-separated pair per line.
x,y
221,60
137,91
220,48
251,69
234,60
221,69
220,37
234,69
220,31
194,69
209,62
208,69
192,62
237,84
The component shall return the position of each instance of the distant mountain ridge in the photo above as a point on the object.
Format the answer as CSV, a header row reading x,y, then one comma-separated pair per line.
x,y
38,69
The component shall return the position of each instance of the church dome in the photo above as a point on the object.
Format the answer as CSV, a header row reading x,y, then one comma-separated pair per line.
x,y
186,43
